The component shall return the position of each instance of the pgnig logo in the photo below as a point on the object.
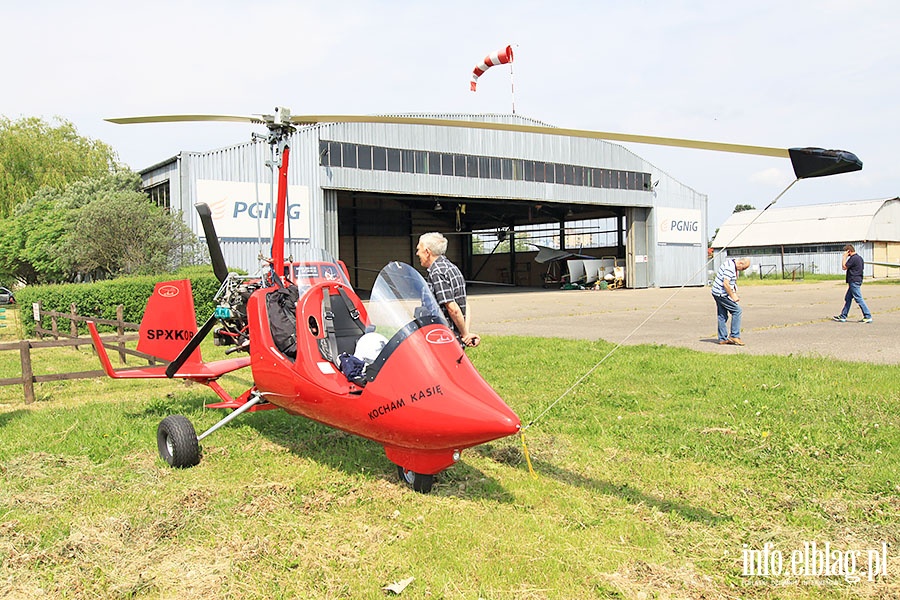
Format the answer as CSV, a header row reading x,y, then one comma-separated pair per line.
x,y
679,225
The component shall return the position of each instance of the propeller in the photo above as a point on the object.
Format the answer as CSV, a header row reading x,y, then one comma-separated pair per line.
x,y
193,344
807,162
221,272
212,241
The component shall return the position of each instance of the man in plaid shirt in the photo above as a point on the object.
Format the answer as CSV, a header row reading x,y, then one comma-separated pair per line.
x,y
447,283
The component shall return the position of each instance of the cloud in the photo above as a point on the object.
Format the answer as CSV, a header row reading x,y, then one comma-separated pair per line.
x,y
772,177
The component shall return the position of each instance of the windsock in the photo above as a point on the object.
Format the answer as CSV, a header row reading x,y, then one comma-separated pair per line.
x,y
501,57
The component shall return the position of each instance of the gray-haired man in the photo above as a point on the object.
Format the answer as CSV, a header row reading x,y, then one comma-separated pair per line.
x,y
447,283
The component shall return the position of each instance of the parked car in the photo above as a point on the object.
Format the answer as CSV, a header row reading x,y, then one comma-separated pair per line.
x,y
6,296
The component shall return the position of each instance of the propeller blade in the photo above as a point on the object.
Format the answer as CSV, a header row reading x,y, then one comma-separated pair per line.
x,y
212,241
192,345
582,133
186,118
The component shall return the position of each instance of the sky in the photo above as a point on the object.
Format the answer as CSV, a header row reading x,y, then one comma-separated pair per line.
x,y
770,73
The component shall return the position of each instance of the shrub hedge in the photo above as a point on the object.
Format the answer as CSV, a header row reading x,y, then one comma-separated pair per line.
x,y
100,299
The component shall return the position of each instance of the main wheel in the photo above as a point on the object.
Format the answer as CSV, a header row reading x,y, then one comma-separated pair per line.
x,y
177,442
417,481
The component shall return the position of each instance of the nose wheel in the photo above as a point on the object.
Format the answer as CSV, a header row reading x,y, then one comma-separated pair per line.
x,y
417,481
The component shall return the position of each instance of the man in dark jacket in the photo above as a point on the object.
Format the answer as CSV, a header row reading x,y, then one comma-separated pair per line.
x,y
853,263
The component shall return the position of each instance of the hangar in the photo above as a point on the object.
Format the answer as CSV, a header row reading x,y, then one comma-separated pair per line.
x,y
366,191
811,239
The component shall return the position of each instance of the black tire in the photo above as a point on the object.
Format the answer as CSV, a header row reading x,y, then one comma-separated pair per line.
x,y
177,442
417,481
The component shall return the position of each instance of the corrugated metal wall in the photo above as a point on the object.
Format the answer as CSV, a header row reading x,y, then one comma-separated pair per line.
x,y
673,265
825,263
482,143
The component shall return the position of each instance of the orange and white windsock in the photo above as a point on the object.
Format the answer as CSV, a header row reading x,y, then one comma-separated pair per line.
x,y
501,57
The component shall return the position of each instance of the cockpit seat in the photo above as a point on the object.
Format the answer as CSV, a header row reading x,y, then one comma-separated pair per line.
x,y
343,326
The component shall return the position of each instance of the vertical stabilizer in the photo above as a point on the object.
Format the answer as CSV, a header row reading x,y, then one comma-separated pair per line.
x,y
169,321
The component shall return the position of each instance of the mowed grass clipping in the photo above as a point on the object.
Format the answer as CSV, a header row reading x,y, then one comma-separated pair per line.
x,y
653,478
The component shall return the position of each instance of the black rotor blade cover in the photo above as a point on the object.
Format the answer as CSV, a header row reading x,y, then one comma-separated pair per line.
x,y
818,162
173,366
212,241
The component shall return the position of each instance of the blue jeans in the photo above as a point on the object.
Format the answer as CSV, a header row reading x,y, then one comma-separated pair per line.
x,y
724,307
854,293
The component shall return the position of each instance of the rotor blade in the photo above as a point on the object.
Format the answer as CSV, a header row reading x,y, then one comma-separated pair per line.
x,y
818,162
185,118
885,264
807,162
582,133
212,241
192,345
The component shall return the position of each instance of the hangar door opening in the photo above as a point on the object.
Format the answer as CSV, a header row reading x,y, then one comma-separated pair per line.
x,y
373,230
492,241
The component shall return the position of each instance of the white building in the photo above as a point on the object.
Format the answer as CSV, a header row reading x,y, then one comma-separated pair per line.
x,y
810,239
366,191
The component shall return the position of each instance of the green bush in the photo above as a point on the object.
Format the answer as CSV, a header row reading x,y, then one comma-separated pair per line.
x,y
100,299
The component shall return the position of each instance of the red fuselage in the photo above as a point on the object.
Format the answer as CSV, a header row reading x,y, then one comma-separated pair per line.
x,y
425,405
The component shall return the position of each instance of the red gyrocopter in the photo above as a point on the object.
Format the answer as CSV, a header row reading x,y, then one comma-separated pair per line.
x,y
420,397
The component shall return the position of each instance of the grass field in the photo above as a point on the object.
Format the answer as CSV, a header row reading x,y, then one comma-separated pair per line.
x,y
665,474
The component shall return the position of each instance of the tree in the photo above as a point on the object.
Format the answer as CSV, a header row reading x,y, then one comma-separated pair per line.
x,y
124,233
35,154
742,207
30,248
97,227
477,245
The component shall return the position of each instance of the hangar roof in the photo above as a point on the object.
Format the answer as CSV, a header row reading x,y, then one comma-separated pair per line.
x,y
863,220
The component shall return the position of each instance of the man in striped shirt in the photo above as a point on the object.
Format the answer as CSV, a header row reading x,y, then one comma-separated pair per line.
x,y
447,283
724,292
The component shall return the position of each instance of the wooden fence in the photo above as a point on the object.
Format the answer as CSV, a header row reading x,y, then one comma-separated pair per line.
x,y
125,332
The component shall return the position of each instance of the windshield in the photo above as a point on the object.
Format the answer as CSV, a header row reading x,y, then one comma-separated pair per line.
x,y
400,295
306,267
315,265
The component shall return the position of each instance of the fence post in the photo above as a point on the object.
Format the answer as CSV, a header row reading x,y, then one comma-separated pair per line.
x,y
39,320
120,329
27,373
54,327
73,327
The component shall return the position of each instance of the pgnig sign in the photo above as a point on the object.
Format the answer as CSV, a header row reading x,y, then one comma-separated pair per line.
x,y
678,226
263,210
681,225
244,210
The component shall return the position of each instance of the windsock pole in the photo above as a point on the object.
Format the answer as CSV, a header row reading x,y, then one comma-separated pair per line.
x,y
512,88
